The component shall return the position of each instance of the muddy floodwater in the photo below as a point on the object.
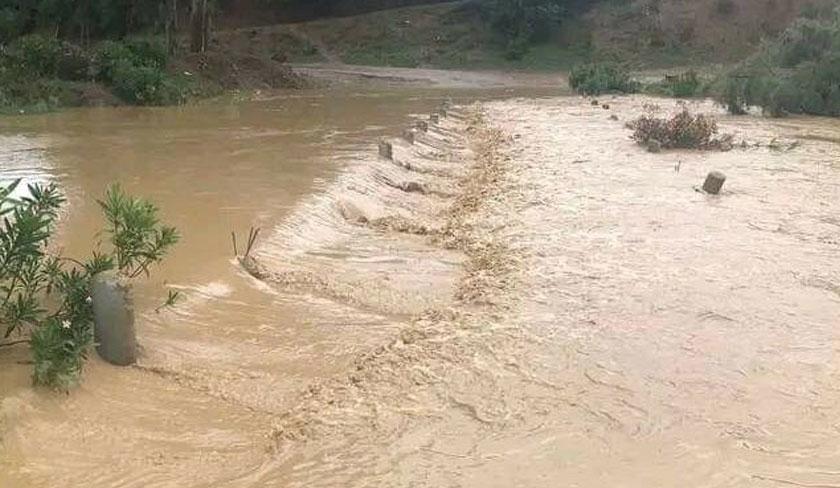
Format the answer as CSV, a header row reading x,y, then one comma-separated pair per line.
x,y
521,298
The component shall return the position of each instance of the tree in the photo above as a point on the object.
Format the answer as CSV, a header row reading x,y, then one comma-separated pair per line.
x,y
199,26
522,22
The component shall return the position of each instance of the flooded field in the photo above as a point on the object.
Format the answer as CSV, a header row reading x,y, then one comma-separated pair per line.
x,y
524,297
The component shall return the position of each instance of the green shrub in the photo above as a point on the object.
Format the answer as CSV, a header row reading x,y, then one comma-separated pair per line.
x,y
521,23
685,85
48,296
34,55
74,64
145,85
684,130
146,53
597,78
797,73
136,234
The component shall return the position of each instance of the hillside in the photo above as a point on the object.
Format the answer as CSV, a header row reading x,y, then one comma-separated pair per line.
x,y
649,33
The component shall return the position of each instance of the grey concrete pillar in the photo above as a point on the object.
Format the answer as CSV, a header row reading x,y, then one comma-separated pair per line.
x,y
113,320
386,150
409,135
714,182
434,118
422,125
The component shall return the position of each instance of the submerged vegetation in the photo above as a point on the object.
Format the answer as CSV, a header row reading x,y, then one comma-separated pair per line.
x,y
45,296
683,130
798,73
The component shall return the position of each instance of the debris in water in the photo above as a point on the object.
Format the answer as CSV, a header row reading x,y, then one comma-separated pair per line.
x,y
386,150
714,182
352,213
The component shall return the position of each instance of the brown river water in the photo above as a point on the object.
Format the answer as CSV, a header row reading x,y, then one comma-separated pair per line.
x,y
557,307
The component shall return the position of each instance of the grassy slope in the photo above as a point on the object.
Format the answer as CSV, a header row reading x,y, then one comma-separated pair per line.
x,y
675,32
442,36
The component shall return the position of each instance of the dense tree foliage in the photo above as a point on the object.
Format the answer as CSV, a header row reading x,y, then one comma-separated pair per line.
x,y
80,18
523,22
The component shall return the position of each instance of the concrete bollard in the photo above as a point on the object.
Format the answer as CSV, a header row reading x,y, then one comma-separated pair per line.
x,y
113,320
434,118
409,135
421,125
386,150
714,182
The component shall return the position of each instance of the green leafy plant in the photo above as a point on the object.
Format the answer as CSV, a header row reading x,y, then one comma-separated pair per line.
x,y
145,85
34,54
136,234
46,297
598,78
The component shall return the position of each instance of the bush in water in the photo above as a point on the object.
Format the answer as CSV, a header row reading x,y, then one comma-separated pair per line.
x,y
683,130
48,296
598,78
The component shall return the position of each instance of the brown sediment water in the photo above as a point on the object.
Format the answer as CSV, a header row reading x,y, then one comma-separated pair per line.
x,y
557,307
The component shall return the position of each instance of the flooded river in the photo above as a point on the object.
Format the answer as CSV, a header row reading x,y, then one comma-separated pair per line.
x,y
549,304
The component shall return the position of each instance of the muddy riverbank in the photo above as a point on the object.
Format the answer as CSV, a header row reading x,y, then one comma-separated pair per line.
x,y
572,311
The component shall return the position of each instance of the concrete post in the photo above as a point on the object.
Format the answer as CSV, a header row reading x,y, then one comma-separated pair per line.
x,y
422,126
113,320
434,118
386,150
409,135
714,182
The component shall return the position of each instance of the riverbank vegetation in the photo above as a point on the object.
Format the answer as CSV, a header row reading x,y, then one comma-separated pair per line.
x,y
798,73
599,78
46,298
39,73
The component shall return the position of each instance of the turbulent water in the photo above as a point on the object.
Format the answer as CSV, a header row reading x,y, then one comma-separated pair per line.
x,y
523,297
